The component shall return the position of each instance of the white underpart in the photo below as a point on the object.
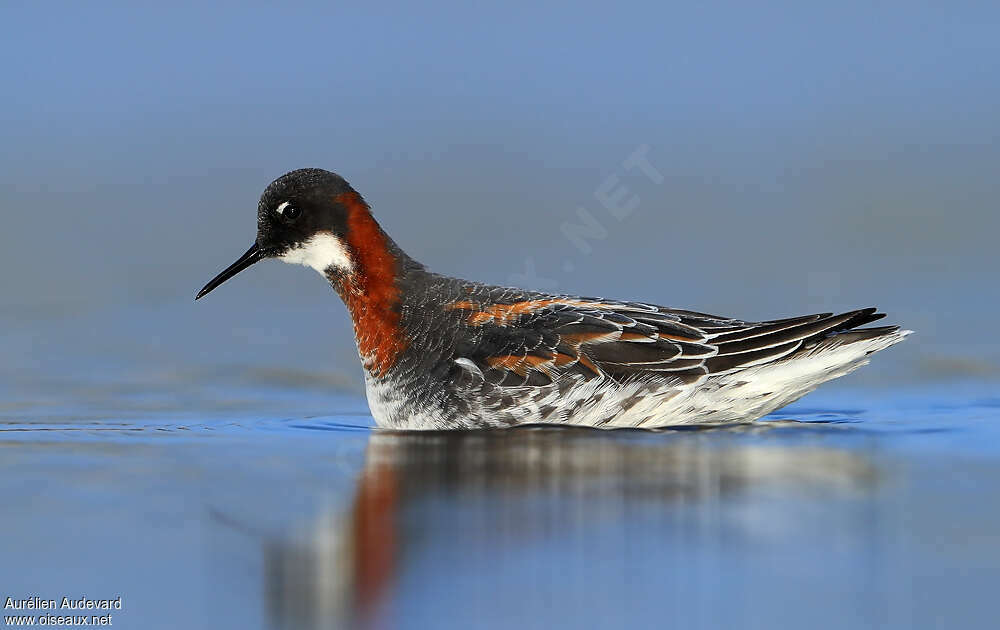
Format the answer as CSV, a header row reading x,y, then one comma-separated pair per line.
x,y
388,407
322,251
741,395
750,393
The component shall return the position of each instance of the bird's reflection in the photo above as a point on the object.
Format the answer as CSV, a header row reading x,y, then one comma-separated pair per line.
x,y
452,496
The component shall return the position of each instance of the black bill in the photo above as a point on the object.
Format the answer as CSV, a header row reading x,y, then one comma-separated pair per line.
x,y
250,257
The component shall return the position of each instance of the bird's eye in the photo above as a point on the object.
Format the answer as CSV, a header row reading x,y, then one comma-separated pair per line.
x,y
291,212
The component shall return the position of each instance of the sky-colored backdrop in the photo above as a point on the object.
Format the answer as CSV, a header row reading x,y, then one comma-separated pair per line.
x,y
815,156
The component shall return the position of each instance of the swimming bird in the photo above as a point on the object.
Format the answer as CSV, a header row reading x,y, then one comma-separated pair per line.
x,y
444,353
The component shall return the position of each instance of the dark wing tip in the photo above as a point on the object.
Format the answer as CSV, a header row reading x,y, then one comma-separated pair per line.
x,y
772,341
861,317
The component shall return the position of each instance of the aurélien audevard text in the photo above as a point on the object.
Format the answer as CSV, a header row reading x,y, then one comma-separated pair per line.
x,y
66,603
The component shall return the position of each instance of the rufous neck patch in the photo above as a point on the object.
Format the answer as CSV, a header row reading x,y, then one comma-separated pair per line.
x,y
373,297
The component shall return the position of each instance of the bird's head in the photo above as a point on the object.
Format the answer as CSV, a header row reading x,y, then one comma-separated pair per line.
x,y
304,217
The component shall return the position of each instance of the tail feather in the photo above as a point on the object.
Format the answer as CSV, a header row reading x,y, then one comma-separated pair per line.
x,y
761,389
860,334
778,340
870,340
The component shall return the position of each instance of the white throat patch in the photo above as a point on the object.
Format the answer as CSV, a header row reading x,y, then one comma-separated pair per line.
x,y
322,251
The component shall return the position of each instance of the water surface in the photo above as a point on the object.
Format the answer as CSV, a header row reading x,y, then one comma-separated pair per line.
x,y
857,508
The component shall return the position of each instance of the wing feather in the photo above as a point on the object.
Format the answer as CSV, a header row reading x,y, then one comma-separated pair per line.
x,y
538,341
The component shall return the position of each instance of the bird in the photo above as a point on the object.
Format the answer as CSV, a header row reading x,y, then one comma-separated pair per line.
x,y
442,353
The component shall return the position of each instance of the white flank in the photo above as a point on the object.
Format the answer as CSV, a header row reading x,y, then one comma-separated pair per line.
x,y
322,251
741,395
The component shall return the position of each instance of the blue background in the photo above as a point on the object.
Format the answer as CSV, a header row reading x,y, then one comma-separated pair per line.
x,y
815,158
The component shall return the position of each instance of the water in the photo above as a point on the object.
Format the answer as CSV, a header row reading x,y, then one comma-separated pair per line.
x,y
214,464
856,507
